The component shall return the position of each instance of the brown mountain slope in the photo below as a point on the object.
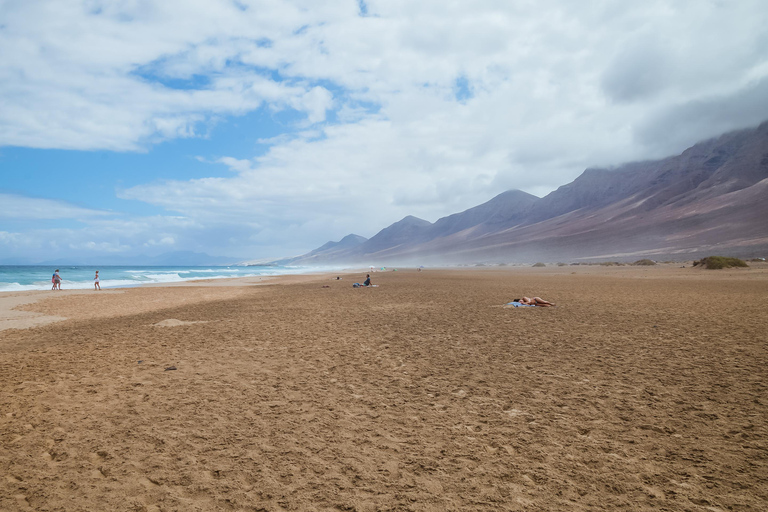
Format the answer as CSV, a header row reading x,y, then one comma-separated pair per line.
x,y
711,198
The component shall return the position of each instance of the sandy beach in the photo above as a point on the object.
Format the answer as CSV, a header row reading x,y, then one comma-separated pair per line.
x,y
644,389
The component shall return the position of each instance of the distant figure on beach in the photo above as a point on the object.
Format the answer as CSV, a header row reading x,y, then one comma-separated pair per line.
x,y
366,283
56,278
96,285
536,301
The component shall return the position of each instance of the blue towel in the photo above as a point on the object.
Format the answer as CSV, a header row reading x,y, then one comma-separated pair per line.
x,y
520,305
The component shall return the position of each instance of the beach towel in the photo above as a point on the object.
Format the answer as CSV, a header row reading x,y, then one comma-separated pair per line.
x,y
520,305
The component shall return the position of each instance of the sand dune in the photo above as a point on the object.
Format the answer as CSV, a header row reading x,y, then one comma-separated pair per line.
x,y
645,389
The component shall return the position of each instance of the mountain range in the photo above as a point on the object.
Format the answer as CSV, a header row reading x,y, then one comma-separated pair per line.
x,y
711,199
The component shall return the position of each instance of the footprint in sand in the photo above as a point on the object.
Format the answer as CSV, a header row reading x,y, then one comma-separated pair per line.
x,y
393,468
510,409
172,322
149,483
22,502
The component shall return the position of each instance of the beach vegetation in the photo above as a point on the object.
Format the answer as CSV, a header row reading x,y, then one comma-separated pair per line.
x,y
539,264
561,264
719,262
644,262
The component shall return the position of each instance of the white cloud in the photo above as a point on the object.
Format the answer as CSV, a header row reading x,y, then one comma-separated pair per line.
x,y
14,206
9,239
101,247
125,236
168,240
90,75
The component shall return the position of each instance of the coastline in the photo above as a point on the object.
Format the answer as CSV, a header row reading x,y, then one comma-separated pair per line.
x,y
21,309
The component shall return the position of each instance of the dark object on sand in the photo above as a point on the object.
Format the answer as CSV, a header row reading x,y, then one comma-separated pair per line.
x,y
170,368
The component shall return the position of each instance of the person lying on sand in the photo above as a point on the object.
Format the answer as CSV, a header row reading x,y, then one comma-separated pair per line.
x,y
536,301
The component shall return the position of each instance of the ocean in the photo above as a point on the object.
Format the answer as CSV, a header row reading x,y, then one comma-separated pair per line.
x,y
21,278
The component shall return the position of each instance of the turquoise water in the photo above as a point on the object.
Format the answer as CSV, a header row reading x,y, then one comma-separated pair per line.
x,y
21,278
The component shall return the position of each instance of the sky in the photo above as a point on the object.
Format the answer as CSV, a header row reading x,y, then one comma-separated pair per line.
x,y
253,129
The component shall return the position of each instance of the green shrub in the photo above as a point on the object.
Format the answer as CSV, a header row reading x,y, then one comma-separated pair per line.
x,y
539,264
718,262
645,261
561,264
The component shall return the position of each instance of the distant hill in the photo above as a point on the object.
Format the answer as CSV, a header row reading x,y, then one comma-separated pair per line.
x,y
712,198
327,252
188,258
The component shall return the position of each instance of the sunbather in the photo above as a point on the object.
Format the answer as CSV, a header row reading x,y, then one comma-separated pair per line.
x,y
536,301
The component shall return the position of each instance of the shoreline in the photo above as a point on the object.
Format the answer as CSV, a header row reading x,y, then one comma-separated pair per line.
x,y
26,309
17,308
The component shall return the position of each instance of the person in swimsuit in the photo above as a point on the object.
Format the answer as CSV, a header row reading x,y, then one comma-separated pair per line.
x,y
56,280
96,285
535,301
367,281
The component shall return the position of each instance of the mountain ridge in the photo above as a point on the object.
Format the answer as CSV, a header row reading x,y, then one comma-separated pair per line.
x,y
710,197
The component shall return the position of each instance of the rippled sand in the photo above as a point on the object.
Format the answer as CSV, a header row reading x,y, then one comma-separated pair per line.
x,y
644,389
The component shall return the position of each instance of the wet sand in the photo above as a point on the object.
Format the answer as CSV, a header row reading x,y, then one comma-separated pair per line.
x,y
644,389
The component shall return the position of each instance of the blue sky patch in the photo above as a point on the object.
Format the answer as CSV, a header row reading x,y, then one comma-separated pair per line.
x,y
462,89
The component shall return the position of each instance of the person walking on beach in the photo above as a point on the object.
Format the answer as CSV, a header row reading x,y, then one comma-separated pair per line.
x,y
56,280
96,285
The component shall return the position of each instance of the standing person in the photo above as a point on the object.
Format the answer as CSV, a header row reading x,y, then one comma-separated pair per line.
x,y
96,285
56,280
